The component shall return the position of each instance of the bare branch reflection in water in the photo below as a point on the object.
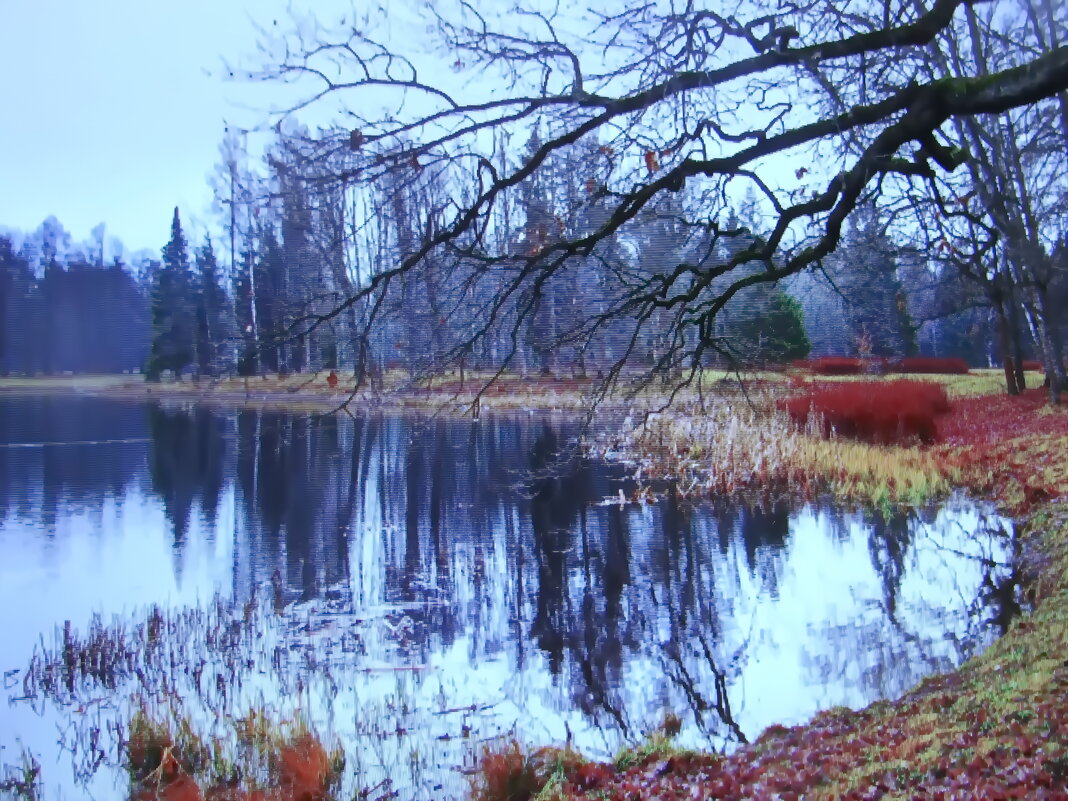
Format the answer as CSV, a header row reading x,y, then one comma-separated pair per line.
x,y
386,578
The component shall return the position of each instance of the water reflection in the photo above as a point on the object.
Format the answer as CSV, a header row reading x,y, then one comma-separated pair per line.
x,y
482,554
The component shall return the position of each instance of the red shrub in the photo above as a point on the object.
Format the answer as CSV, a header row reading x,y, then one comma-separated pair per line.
x,y
874,411
1033,365
929,364
590,776
304,768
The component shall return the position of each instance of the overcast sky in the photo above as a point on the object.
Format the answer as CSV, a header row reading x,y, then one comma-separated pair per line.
x,y
108,112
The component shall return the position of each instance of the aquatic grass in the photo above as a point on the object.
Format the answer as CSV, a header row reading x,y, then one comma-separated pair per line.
x,y
186,688
286,760
22,781
110,654
159,747
504,773
507,772
737,448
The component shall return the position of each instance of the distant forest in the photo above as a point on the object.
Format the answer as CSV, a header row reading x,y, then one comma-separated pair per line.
x,y
62,310
266,301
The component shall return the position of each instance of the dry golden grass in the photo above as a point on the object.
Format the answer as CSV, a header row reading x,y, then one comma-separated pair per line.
x,y
740,445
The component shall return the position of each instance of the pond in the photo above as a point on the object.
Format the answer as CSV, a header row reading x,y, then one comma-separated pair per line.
x,y
418,587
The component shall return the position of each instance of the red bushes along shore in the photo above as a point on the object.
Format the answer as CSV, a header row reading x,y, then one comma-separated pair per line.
x,y
883,412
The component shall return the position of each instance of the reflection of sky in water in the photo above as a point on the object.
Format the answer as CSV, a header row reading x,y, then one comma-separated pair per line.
x,y
433,549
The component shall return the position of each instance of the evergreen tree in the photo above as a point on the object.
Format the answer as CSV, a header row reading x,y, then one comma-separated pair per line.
x,y
776,334
16,310
270,300
210,311
173,309
245,313
759,324
865,272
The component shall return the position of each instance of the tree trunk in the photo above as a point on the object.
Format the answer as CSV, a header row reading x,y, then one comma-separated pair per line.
x,y
1052,347
1011,386
1017,349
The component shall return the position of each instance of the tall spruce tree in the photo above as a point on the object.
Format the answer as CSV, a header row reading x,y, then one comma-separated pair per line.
x,y
173,309
865,271
244,288
270,300
211,311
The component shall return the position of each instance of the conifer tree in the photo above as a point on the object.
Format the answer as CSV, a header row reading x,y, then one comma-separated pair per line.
x,y
210,311
865,271
774,334
173,309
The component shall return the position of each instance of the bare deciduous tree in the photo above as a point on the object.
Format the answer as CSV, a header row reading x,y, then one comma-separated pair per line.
x,y
660,99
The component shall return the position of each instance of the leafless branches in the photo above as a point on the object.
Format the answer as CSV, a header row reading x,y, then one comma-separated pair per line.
x,y
665,108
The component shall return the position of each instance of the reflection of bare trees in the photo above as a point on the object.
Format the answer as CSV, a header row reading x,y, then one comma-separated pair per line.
x,y
887,546
708,692
895,641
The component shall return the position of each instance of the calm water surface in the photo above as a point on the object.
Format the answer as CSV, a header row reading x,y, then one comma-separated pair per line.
x,y
433,584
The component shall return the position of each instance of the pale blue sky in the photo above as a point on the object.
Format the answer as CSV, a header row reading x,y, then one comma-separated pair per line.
x,y
108,113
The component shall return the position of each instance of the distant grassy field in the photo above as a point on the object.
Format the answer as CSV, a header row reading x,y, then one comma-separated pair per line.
x,y
85,383
977,382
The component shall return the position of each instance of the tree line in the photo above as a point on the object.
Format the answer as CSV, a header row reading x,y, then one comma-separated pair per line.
x,y
296,259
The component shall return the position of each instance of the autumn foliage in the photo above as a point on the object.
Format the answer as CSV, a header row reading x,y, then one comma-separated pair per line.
x,y
881,412
505,773
304,769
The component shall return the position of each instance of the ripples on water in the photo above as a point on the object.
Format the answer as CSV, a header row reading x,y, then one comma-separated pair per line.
x,y
416,587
